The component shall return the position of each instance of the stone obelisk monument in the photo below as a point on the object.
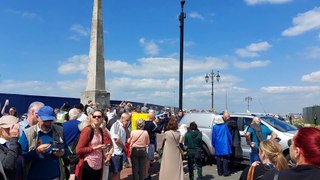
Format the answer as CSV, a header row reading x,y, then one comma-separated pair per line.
x,y
96,90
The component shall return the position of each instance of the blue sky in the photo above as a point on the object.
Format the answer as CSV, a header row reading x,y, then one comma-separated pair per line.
x,y
266,49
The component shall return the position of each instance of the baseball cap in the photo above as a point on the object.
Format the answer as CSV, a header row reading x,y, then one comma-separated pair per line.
x,y
46,113
7,121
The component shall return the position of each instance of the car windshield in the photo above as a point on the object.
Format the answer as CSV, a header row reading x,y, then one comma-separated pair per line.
x,y
279,125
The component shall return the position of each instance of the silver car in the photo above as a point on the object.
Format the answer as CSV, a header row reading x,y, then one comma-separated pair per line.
x,y
205,122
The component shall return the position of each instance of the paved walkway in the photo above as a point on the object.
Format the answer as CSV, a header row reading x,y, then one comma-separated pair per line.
x,y
209,172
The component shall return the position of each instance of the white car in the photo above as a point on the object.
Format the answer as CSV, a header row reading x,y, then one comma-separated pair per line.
x,y
205,122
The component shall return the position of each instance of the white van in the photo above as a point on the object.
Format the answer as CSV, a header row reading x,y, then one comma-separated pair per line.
x,y
205,123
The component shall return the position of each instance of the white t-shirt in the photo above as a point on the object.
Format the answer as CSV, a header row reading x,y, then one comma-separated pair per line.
x,y
111,114
83,117
117,131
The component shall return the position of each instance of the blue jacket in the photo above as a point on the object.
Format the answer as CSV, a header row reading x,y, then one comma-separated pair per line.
x,y
221,139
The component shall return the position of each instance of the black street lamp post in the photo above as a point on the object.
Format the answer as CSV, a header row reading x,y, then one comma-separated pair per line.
x,y
182,16
248,99
212,76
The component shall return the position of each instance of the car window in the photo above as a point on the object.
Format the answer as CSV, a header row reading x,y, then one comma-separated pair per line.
x,y
279,125
239,123
242,122
246,122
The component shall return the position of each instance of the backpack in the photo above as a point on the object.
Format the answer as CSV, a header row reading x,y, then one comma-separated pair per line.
x,y
73,157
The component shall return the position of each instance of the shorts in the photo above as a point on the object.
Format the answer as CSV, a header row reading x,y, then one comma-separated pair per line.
x,y
150,151
116,163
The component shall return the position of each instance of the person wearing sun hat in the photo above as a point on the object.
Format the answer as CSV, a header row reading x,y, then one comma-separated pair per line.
x,y
43,145
9,146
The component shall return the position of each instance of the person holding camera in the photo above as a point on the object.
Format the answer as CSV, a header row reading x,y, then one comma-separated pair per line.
x,y
43,147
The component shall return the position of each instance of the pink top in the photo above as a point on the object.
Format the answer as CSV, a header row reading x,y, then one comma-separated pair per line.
x,y
94,159
139,138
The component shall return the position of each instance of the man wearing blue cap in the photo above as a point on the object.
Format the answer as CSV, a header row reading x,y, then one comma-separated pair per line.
x,y
43,146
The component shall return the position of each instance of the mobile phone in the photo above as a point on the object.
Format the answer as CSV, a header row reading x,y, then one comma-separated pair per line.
x,y
57,146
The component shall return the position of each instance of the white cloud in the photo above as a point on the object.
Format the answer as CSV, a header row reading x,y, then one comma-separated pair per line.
x,y
252,64
189,43
196,82
142,90
145,67
304,22
313,52
254,2
24,14
79,32
74,64
44,88
312,77
196,15
204,65
252,49
239,89
150,47
163,94
256,47
72,85
29,15
147,79
126,84
164,67
17,86
290,89
246,53
227,82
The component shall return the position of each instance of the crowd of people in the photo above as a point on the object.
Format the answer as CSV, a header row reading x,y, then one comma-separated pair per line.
x,y
84,142
78,142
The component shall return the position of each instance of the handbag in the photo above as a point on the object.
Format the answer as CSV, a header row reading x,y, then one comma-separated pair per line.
x,y
132,143
251,172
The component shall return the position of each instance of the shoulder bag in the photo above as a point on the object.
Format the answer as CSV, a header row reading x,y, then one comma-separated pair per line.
x,y
251,173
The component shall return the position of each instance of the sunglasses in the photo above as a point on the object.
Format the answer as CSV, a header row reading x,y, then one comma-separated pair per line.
x,y
289,142
96,117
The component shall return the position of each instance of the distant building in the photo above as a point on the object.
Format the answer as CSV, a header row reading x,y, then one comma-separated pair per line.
x,y
312,114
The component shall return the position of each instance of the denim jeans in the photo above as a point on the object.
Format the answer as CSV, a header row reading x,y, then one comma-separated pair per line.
x,y
254,155
222,165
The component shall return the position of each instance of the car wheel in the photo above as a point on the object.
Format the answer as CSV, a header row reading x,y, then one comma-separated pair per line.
x,y
207,158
